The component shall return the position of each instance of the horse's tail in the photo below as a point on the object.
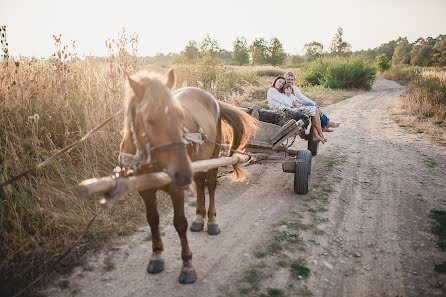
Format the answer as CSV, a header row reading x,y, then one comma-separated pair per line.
x,y
242,125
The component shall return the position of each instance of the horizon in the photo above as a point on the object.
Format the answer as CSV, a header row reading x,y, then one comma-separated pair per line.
x,y
164,30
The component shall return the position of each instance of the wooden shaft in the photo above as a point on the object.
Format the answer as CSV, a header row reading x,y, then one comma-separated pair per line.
x,y
147,181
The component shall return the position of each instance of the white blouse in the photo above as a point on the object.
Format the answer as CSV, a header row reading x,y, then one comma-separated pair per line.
x,y
282,101
278,100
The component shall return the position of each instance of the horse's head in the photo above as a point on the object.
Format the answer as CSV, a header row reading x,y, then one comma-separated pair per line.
x,y
153,129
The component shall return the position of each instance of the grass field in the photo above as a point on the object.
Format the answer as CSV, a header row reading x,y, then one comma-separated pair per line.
x,y
423,106
47,105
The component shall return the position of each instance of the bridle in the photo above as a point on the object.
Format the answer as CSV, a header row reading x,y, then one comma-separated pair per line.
x,y
143,155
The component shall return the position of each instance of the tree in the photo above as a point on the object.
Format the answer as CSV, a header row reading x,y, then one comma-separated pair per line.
x,y
401,55
259,51
209,47
276,54
439,56
241,51
421,54
338,46
294,60
382,62
313,50
191,51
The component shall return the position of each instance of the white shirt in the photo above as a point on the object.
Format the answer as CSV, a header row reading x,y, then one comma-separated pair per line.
x,y
301,98
282,101
278,100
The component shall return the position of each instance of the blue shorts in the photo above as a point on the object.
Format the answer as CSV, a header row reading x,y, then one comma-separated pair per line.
x,y
324,121
307,104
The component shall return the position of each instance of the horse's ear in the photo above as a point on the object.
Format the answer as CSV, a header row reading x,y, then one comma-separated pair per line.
x,y
170,83
136,87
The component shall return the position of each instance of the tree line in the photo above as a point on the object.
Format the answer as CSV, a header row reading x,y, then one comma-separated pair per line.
x,y
422,52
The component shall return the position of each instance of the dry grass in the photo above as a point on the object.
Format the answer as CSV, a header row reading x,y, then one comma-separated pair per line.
x,y
423,107
48,104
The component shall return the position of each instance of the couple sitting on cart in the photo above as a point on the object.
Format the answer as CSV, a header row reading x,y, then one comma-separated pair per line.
x,y
289,101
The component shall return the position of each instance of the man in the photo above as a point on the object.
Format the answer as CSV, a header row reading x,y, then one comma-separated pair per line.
x,y
304,100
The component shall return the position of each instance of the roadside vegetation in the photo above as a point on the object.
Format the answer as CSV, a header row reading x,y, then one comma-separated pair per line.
x,y
438,217
423,106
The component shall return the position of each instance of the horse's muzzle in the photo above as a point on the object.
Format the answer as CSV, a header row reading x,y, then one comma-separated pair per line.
x,y
182,179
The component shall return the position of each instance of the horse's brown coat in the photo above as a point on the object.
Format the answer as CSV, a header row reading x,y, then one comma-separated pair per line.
x,y
164,115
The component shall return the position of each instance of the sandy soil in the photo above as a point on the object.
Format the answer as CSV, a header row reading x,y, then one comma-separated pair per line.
x,y
376,241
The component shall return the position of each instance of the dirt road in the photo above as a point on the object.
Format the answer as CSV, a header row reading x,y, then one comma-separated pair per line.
x,y
363,230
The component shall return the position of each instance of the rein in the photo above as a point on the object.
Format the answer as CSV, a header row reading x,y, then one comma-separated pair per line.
x,y
62,152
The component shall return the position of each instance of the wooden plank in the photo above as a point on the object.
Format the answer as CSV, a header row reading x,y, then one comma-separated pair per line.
x,y
146,181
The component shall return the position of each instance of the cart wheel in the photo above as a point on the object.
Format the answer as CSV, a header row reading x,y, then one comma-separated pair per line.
x,y
312,144
302,174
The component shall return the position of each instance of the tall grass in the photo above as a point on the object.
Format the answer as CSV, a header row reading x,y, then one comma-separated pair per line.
x,y
402,73
340,73
426,94
48,104
426,97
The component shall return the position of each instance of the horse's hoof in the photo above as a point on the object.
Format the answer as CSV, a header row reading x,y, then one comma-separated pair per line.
x,y
196,227
213,229
187,275
155,266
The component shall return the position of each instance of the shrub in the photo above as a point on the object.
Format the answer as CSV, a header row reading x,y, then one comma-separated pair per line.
x,y
340,73
270,72
402,73
427,97
382,62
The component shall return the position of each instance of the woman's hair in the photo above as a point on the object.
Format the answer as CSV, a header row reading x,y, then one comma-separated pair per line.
x,y
274,82
288,85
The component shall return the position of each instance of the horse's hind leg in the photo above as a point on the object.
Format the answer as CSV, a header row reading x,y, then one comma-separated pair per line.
x,y
198,221
187,274
213,228
156,263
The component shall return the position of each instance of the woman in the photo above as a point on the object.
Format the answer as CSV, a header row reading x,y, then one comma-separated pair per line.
x,y
279,101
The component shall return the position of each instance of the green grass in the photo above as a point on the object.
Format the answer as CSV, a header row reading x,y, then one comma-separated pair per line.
x,y
299,269
441,268
260,254
318,232
273,292
251,276
108,264
430,162
282,263
438,217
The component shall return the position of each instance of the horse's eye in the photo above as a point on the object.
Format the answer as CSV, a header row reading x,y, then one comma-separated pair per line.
x,y
151,123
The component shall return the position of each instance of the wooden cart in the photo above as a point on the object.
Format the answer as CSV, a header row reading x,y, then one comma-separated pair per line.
x,y
269,146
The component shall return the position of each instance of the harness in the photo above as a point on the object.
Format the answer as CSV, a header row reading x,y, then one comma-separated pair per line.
x,y
143,155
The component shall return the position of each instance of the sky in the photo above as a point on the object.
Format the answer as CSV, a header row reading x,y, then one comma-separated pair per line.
x,y
166,26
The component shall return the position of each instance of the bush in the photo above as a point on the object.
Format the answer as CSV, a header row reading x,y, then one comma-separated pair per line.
x,y
382,62
270,72
340,73
402,73
427,97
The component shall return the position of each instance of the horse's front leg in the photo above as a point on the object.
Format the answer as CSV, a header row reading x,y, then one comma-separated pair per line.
x,y
198,221
156,263
213,228
187,274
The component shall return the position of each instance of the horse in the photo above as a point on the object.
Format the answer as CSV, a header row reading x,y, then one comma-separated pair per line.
x,y
156,120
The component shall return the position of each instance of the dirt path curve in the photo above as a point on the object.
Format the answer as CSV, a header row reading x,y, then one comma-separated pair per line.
x,y
377,239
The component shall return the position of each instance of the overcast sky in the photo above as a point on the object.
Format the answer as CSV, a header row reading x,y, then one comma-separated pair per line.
x,y
166,26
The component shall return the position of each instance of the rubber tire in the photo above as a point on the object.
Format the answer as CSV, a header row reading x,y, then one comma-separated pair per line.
x,y
302,174
312,144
